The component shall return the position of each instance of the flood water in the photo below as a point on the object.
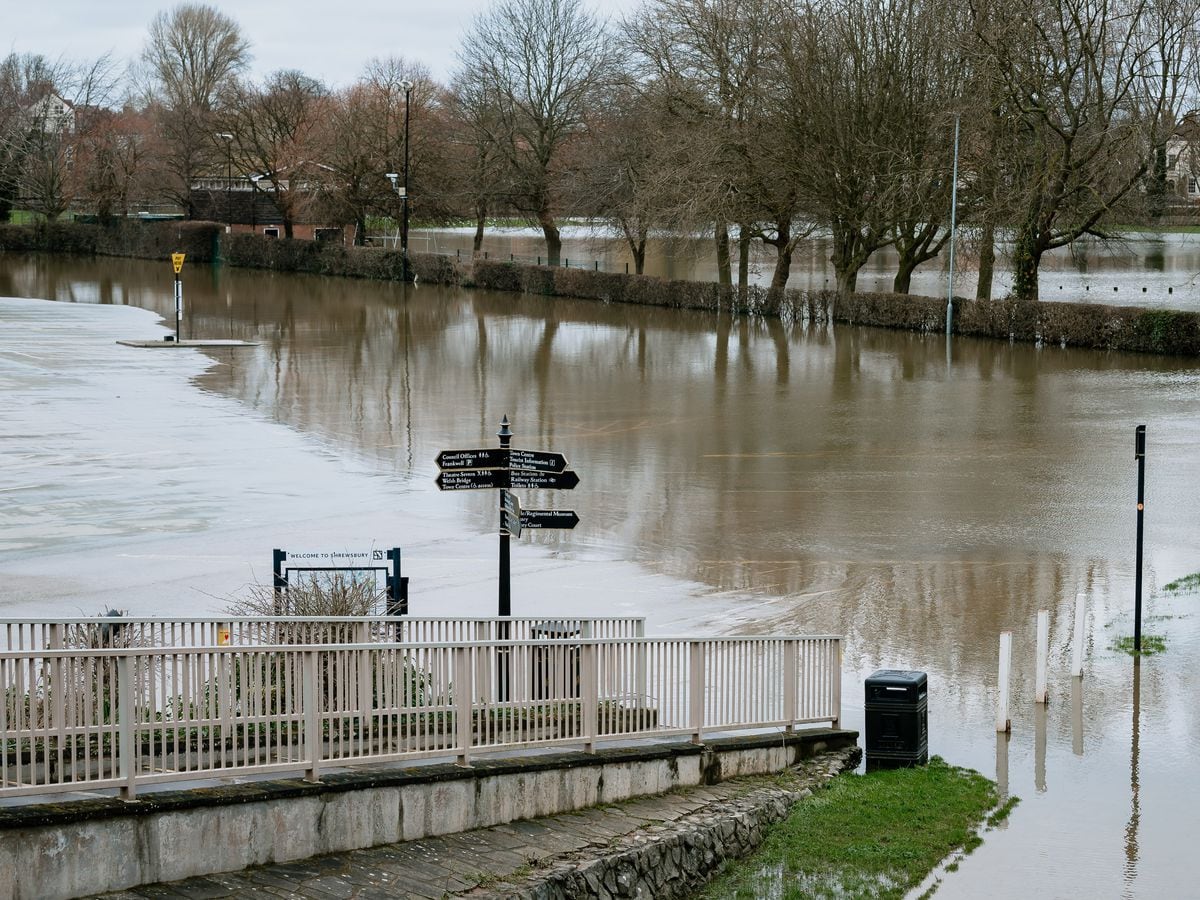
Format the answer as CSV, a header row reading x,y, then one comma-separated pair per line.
x,y
736,476
1138,269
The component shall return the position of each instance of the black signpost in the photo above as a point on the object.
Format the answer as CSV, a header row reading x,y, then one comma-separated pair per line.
x,y
505,468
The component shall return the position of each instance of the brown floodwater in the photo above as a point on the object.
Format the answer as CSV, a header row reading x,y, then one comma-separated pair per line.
x,y
915,496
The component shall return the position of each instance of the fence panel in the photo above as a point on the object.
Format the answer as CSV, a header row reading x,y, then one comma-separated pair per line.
x,y
75,720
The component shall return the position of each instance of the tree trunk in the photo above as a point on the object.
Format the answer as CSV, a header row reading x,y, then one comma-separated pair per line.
x,y
903,279
783,258
360,230
724,278
847,280
1027,256
743,256
987,261
639,256
480,221
553,238
288,227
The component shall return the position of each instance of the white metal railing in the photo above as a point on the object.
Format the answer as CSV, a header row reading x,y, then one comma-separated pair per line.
x,y
98,632
80,720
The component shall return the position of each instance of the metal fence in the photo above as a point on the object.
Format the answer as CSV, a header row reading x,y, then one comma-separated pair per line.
x,y
82,720
98,632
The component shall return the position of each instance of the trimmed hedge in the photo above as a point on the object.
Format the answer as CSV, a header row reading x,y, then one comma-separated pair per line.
x,y
1089,325
257,252
144,240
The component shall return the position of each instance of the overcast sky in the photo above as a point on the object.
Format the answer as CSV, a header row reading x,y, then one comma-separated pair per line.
x,y
328,40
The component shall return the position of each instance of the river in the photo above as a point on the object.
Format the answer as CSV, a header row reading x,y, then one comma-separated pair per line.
x,y
736,476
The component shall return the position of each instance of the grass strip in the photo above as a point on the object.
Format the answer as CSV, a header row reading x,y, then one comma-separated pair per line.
x,y
867,836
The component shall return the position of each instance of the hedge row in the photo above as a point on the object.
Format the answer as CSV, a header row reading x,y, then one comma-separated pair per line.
x,y
1088,325
314,257
152,240
612,287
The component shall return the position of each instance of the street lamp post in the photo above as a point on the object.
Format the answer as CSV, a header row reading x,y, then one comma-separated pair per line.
x,y
228,139
953,216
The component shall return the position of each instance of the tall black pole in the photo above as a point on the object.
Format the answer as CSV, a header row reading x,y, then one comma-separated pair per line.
x,y
404,211
504,632
505,435
178,308
1139,453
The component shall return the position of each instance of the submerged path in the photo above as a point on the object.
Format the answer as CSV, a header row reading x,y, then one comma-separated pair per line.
x,y
659,846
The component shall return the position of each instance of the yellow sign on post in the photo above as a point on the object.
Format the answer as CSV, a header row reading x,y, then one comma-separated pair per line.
x,y
177,262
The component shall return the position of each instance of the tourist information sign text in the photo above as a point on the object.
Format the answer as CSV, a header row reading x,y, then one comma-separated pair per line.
x,y
506,468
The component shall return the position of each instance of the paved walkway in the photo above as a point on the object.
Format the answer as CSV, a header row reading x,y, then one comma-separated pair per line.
x,y
515,859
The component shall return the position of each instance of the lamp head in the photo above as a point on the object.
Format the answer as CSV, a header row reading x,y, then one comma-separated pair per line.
x,y
406,85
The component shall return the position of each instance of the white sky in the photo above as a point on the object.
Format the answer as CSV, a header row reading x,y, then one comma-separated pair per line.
x,y
329,40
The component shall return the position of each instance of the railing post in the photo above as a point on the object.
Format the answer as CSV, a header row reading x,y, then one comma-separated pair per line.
x,y
312,717
696,691
639,664
837,682
589,694
791,678
462,704
57,684
362,635
126,747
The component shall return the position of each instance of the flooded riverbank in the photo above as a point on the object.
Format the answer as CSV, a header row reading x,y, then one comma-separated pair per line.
x,y
735,476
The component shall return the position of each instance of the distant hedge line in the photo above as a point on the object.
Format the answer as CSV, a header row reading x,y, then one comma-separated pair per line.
x,y
1089,325
156,240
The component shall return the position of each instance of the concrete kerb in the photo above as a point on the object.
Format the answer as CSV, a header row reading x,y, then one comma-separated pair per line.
x,y
180,834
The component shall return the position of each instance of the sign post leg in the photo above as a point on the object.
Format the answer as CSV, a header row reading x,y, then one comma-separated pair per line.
x,y
505,604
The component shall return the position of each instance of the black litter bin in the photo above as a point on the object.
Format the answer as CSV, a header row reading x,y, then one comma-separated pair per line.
x,y
555,669
897,714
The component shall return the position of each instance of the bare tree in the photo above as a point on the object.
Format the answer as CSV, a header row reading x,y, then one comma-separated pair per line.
x,y
1085,90
274,128
542,62
713,62
191,54
48,115
839,63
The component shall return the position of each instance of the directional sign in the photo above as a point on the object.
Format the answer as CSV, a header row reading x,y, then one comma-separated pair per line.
x,y
510,513
540,480
483,458
177,262
549,518
471,480
537,460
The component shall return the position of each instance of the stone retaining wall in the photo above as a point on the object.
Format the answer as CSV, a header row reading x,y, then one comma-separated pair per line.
x,y
74,848
675,859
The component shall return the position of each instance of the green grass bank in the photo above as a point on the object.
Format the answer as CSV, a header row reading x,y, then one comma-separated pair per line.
x,y
872,837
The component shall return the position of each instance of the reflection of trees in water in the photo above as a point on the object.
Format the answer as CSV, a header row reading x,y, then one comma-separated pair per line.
x,y
846,469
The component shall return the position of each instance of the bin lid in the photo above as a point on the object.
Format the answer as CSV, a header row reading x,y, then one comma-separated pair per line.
x,y
896,678
555,629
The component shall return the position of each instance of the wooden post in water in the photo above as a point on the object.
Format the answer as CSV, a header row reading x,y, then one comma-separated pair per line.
x,y
1077,650
1043,650
1003,723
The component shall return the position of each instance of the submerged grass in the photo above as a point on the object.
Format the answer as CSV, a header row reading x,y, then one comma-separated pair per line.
x,y
1152,645
1186,584
874,836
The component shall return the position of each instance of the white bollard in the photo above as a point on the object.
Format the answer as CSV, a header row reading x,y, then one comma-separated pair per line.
x,y
1043,650
1077,650
1003,723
